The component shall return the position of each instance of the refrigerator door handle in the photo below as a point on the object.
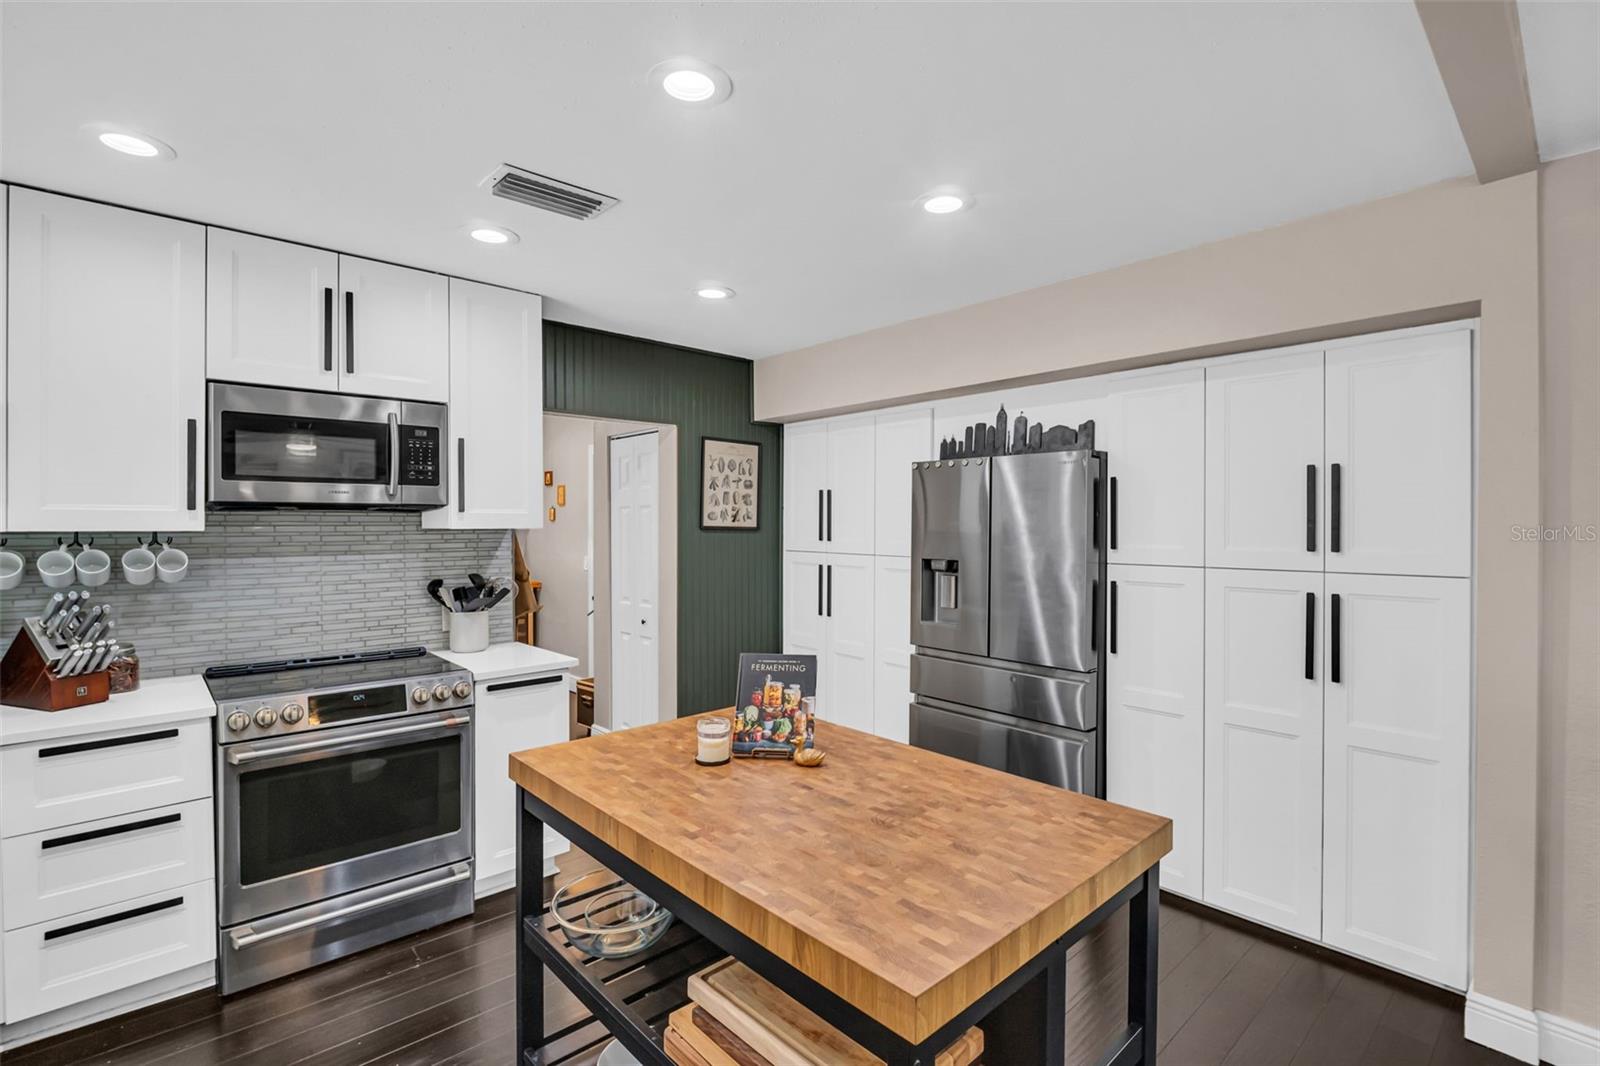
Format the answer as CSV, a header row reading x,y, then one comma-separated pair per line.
x,y
830,516
1311,635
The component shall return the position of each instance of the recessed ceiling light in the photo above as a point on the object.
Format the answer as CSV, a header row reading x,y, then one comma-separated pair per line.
x,y
138,145
714,292
493,235
691,80
945,200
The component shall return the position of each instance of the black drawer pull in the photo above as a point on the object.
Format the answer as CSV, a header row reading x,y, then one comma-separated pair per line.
x,y
109,742
526,683
1311,635
1311,507
1336,508
1335,667
112,919
327,330
1114,611
109,831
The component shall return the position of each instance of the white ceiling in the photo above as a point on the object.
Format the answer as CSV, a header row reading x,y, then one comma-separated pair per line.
x,y
1561,47
1092,135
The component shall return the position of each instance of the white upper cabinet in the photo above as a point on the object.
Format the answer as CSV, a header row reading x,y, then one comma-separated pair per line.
x,y
396,340
106,375
1397,766
902,438
850,504
891,710
1399,452
494,459
805,474
1264,463
1153,430
1263,759
272,312
1155,695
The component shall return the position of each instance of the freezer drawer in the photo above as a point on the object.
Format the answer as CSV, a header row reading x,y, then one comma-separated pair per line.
x,y
1065,758
1061,699
950,555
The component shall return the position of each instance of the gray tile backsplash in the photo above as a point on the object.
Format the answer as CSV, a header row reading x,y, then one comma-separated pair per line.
x,y
279,583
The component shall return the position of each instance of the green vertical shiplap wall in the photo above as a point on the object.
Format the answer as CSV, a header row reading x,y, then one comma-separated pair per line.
x,y
729,584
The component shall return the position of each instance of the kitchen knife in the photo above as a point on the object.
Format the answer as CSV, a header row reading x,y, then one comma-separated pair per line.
x,y
90,622
57,601
64,621
101,655
69,665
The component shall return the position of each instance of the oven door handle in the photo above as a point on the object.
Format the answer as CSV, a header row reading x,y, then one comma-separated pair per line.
x,y
394,454
243,938
239,757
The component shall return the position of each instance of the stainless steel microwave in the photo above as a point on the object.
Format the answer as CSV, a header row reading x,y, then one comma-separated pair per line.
x,y
292,448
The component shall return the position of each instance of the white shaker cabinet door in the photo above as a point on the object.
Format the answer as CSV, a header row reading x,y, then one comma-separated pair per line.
x,y
510,714
902,438
1155,697
850,661
850,506
805,473
805,623
1263,714
396,339
1399,484
4,212
1399,722
494,456
272,312
1153,432
891,712
1264,463
106,372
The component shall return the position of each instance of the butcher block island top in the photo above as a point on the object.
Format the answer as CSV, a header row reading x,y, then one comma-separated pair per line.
x,y
906,882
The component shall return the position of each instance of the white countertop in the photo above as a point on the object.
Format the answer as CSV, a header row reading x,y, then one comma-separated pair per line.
x,y
156,701
508,660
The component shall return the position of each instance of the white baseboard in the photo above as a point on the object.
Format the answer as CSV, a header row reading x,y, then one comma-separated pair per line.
x,y
1564,1042
1508,1029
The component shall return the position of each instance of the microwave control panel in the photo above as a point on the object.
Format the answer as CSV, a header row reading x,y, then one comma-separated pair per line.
x,y
419,455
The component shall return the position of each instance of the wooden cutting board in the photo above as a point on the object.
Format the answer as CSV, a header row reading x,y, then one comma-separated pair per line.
x,y
783,1030
680,1050
710,1040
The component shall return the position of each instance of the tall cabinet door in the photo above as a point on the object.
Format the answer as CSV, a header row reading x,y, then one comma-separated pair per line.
x,y
1264,463
805,472
891,711
106,374
902,438
272,315
1399,722
1155,696
396,340
1154,433
1263,713
805,623
493,460
850,660
1399,484
850,505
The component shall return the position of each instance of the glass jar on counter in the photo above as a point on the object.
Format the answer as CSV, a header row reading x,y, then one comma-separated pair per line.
x,y
713,740
123,671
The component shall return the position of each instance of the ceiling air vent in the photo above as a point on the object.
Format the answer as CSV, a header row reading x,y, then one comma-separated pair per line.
x,y
548,194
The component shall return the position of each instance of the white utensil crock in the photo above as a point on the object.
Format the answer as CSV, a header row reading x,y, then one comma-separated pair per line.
x,y
469,631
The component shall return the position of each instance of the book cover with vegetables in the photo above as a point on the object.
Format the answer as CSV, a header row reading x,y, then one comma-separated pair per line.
x,y
776,704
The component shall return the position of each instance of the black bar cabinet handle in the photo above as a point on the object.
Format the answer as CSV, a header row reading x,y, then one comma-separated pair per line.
x,y
1113,626
830,590
461,473
1311,507
819,590
110,919
1311,635
349,332
193,432
1113,521
1335,509
830,519
1335,667
327,329
109,742
109,831
819,516
525,683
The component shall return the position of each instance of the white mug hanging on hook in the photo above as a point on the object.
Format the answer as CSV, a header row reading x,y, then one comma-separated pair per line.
x,y
56,567
172,565
92,565
10,568
139,563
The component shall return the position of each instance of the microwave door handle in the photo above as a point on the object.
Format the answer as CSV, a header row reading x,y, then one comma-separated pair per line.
x,y
394,454
238,757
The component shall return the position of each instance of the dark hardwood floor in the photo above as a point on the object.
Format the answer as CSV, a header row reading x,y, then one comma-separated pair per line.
x,y
1230,994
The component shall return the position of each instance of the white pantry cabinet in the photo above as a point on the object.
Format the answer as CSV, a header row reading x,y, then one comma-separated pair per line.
x,y
1263,751
396,338
1399,453
901,438
1152,428
1398,719
494,457
106,367
509,714
828,612
1264,463
828,502
1155,697
891,704
272,312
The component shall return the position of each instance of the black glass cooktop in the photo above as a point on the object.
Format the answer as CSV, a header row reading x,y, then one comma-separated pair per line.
x,y
276,676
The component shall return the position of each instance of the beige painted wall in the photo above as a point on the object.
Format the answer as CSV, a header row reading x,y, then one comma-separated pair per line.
x,y
1569,705
1433,254
555,552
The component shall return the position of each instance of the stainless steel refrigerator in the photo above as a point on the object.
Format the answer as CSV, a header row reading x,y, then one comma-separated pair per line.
x,y
1006,606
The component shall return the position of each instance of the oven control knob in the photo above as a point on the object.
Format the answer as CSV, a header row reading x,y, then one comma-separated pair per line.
x,y
420,695
293,713
238,720
265,716
441,692
463,690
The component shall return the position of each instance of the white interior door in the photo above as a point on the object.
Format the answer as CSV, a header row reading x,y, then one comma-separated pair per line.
x,y
635,579
805,471
891,617
1400,447
1399,723
901,438
1263,714
848,590
272,315
1154,434
850,507
1155,693
1264,468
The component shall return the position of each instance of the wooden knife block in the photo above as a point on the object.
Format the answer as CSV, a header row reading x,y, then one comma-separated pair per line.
x,y
25,681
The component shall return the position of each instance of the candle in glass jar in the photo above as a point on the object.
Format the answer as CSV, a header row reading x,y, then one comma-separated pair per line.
x,y
714,741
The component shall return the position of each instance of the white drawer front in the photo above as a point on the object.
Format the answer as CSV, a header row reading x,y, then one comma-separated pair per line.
x,y
55,964
80,779
59,872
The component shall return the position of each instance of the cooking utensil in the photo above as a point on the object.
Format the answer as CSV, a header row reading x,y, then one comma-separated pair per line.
x,y
493,600
433,590
478,581
463,594
90,622
139,565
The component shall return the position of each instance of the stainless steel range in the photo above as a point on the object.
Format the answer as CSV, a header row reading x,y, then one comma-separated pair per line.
x,y
344,806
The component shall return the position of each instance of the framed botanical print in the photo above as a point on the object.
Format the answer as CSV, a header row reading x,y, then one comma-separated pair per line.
x,y
730,484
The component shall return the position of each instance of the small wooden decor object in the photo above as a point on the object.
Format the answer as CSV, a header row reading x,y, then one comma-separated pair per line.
x,y
26,680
